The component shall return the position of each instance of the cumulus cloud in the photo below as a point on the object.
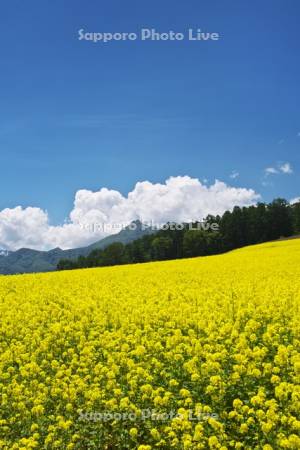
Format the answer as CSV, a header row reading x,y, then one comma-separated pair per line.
x,y
294,200
97,214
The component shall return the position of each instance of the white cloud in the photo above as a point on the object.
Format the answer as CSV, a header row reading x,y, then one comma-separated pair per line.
x,y
178,199
294,200
286,168
234,174
271,171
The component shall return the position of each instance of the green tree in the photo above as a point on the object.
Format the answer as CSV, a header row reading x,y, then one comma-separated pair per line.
x,y
161,247
280,219
296,217
113,254
195,243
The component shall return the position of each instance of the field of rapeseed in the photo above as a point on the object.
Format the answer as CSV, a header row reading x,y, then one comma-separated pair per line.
x,y
191,354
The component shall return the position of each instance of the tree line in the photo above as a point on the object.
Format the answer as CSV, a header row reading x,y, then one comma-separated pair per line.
x,y
237,228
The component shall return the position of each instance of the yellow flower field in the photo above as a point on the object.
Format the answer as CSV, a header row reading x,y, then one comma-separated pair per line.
x,y
190,354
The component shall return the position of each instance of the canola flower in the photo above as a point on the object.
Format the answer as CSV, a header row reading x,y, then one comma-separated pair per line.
x,y
216,336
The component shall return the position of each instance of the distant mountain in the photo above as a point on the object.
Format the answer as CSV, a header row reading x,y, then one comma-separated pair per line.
x,y
26,260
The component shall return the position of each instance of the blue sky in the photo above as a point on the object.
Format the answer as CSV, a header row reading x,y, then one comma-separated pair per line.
x,y
75,114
